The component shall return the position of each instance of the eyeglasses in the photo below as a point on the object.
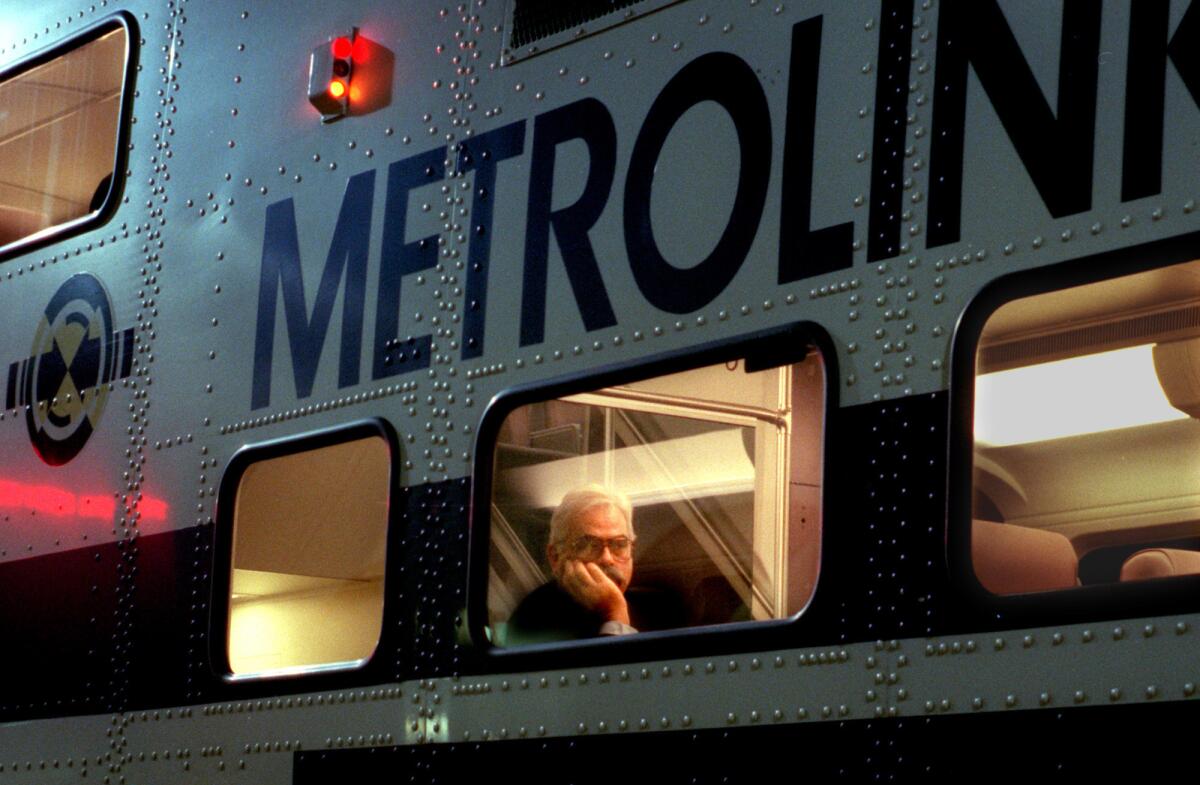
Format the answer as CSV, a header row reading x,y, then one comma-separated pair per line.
x,y
591,548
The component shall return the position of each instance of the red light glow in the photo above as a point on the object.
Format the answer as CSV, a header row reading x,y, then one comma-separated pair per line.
x,y
61,503
337,89
342,48
360,51
153,509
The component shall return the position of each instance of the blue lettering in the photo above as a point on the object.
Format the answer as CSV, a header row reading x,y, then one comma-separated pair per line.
x,y
481,154
589,120
393,356
281,269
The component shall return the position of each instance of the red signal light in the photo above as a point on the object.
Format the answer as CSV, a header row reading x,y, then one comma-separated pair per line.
x,y
331,75
342,48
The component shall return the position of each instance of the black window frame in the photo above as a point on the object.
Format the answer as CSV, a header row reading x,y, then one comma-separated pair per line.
x,y
375,666
119,20
812,626
1079,604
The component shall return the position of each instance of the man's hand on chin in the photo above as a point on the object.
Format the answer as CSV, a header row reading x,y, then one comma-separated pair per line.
x,y
587,583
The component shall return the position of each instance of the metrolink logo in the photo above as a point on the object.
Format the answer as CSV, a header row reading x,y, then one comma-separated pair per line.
x,y
63,384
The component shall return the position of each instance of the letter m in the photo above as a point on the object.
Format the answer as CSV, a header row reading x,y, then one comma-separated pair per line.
x,y
281,270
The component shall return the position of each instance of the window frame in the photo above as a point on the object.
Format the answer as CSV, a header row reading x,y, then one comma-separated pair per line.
x,y
223,542
759,351
119,20
1177,594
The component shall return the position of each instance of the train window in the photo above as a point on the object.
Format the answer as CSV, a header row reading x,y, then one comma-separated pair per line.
x,y
59,131
1086,462
309,537
679,501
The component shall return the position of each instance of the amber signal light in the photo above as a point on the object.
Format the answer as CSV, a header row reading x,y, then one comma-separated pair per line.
x,y
331,69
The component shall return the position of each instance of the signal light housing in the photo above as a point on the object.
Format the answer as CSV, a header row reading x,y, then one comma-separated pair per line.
x,y
330,70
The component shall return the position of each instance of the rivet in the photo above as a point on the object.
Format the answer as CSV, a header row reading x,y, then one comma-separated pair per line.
x,y
1148,631
1152,691
1181,627
1057,638
1080,696
1010,700
998,644
1189,689
1044,698
1114,694
1118,633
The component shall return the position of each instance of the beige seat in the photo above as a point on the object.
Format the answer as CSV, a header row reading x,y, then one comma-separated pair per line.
x,y
1160,563
1013,559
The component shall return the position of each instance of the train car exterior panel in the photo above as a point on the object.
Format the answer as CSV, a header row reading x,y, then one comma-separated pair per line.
x,y
512,213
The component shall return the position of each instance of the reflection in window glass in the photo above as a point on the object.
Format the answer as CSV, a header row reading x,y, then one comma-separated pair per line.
x,y
309,539
1087,447
721,472
58,137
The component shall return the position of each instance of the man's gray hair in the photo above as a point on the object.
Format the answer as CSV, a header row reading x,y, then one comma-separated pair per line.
x,y
575,503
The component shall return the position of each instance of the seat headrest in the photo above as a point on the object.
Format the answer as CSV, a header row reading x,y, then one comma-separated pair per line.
x,y
1011,559
1160,563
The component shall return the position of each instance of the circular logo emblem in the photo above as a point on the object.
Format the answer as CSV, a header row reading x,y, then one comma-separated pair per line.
x,y
73,358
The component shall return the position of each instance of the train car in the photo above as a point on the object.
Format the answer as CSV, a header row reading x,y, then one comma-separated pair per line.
x,y
868,327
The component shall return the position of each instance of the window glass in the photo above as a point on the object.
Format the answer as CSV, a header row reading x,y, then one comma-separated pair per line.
x,y
59,124
1087,448
309,540
720,471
